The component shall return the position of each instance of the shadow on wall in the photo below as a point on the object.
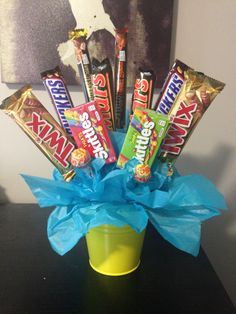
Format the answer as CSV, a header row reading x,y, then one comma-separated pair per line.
x,y
212,166
3,197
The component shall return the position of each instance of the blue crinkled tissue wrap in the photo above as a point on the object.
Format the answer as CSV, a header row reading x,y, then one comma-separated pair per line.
x,y
175,205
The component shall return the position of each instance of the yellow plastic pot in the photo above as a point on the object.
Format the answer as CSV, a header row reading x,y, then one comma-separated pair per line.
x,y
114,251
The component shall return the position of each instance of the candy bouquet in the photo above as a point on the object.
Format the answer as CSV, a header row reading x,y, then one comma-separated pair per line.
x,y
114,164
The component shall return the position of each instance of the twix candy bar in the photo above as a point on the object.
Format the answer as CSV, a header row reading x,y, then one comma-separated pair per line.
x,y
79,38
143,90
197,93
103,90
90,132
33,118
120,76
171,87
59,94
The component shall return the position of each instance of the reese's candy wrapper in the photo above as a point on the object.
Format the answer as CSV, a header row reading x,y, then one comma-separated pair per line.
x,y
103,90
90,132
59,94
41,128
144,136
79,38
197,93
143,90
120,76
171,87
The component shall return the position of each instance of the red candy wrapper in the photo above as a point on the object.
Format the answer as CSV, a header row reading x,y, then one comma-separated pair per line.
x,y
171,87
143,90
103,90
120,76
90,132
41,128
59,94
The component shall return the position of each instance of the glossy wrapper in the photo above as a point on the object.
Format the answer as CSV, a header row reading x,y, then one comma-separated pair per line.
x,y
142,173
90,132
103,90
197,93
79,38
59,94
144,137
171,87
120,76
41,128
143,90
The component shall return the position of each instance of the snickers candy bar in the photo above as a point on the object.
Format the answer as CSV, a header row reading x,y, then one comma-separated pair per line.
x,y
59,94
103,90
41,128
171,87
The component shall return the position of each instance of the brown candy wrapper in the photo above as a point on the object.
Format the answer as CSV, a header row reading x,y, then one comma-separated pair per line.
x,y
120,76
103,90
33,118
79,38
143,90
195,96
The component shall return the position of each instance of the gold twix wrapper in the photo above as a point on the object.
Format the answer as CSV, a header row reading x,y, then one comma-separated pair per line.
x,y
41,128
195,96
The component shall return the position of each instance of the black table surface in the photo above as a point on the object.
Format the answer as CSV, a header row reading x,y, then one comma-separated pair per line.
x,y
34,279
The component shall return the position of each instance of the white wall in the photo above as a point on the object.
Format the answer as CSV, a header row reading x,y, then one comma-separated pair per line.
x,y
203,37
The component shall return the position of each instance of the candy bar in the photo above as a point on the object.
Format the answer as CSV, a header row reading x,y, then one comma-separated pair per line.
x,y
145,134
42,129
171,87
79,38
197,92
59,94
120,76
103,90
143,90
90,132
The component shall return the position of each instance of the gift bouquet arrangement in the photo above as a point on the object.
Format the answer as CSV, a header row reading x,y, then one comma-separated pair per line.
x,y
114,163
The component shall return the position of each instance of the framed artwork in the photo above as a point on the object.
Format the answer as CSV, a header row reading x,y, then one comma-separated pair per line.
x,y
34,36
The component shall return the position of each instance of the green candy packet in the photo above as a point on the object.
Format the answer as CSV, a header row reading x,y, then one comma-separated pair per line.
x,y
144,137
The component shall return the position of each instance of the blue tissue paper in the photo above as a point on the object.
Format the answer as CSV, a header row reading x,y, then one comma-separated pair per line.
x,y
176,206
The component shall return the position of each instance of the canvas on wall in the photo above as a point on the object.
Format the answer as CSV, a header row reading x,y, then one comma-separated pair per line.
x,y
34,36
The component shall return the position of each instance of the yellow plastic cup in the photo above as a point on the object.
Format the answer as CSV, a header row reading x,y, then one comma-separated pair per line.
x,y
114,251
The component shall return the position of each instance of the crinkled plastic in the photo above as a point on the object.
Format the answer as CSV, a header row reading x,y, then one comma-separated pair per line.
x,y
176,206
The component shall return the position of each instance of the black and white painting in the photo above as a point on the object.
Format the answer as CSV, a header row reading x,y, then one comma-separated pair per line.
x,y
34,36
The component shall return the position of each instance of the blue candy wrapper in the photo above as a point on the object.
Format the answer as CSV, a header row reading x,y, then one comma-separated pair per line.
x,y
176,206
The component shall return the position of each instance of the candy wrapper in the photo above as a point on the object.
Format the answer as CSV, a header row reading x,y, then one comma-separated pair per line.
x,y
143,90
79,38
90,132
33,118
120,76
103,90
59,94
176,206
144,137
171,87
195,96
